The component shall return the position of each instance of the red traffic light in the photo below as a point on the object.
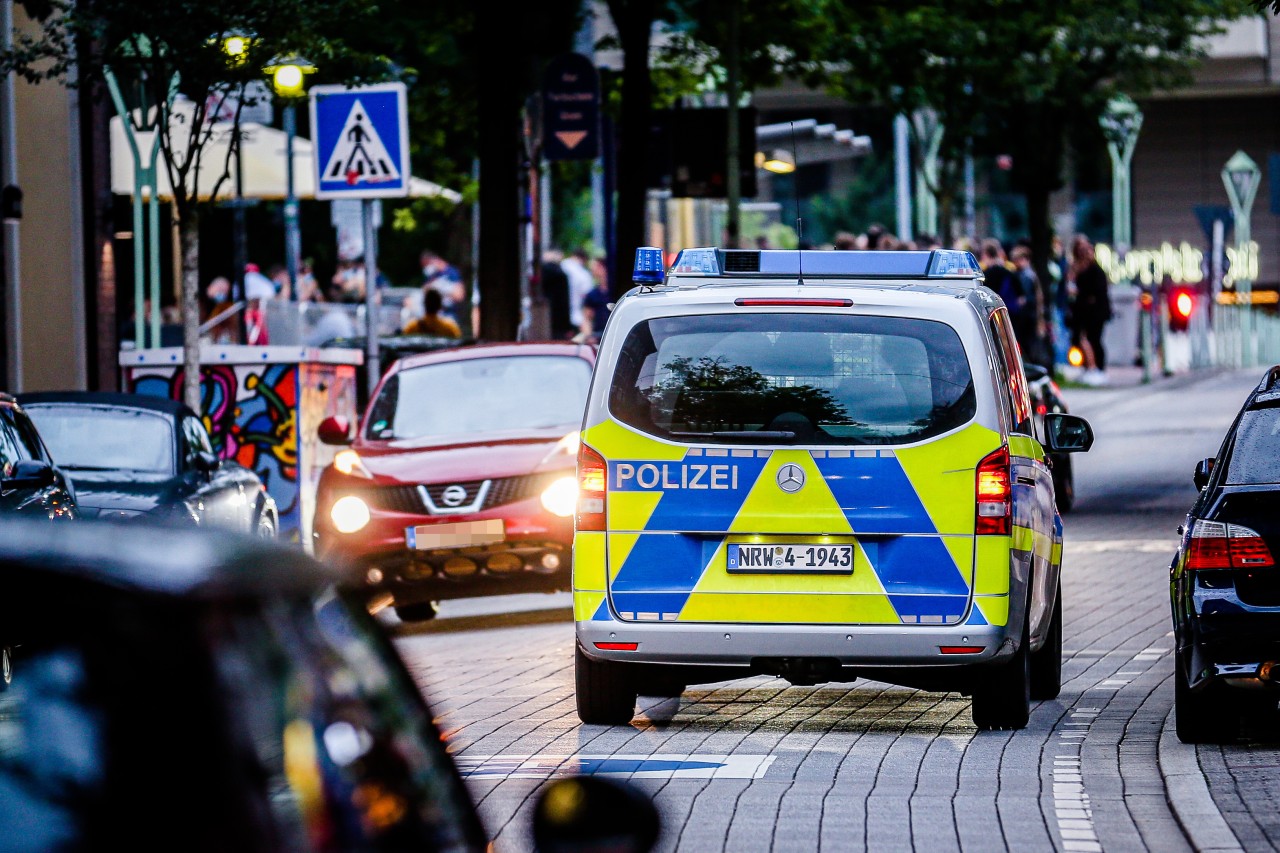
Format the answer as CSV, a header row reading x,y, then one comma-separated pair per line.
x,y
1182,303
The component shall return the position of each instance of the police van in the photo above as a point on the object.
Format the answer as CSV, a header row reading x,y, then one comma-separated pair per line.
x,y
820,466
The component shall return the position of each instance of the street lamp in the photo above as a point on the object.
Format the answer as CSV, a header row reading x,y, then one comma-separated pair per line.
x,y
235,46
1241,176
1121,123
288,78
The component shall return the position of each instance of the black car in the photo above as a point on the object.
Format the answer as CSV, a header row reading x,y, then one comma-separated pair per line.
x,y
1225,585
215,693
30,484
137,457
1046,398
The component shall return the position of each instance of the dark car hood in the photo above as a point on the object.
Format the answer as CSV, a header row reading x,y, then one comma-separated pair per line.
x,y
134,491
459,459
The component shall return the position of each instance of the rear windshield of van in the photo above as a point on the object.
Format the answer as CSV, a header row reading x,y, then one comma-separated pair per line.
x,y
793,379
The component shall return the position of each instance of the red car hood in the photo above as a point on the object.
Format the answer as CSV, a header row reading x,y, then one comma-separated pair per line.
x,y
457,459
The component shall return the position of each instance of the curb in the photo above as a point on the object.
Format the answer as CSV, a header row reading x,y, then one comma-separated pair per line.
x,y
1188,795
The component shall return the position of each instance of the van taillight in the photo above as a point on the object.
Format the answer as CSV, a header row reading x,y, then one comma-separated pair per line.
x,y
1216,545
592,474
994,495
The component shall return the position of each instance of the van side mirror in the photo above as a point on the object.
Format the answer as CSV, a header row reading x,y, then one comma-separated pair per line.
x,y
334,430
590,814
29,474
1067,433
1203,469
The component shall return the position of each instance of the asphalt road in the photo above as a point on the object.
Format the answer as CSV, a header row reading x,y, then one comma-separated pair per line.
x,y
755,764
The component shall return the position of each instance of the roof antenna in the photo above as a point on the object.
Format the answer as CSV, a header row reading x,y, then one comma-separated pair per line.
x,y
795,186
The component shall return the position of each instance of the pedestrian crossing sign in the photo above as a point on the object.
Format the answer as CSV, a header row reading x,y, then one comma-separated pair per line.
x,y
361,137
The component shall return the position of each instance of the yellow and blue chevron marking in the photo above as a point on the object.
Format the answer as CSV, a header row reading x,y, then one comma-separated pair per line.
x,y
909,512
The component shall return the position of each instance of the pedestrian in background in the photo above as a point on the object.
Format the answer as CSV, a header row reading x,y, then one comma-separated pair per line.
x,y
555,288
1090,309
597,304
1029,325
218,297
432,323
444,278
580,283
996,272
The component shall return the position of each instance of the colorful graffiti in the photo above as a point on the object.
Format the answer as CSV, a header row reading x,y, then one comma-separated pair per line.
x,y
252,413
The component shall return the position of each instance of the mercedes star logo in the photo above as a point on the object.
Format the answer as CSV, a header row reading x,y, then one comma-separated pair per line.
x,y
790,478
455,495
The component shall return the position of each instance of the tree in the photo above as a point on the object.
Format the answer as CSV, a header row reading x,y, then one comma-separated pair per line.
x,y
749,47
1015,77
159,47
633,19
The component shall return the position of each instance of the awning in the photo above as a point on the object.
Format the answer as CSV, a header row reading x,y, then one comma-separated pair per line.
x,y
263,151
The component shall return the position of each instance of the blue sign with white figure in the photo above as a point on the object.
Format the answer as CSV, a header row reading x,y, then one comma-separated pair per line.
x,y
361,138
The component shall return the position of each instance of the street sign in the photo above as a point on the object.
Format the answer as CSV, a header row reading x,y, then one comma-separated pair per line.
x,y
570,109
361,140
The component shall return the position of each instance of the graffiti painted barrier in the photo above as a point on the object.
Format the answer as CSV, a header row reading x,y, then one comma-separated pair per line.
x,y
262,406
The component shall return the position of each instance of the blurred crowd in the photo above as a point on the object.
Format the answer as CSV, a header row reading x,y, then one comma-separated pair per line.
x,y
1051,315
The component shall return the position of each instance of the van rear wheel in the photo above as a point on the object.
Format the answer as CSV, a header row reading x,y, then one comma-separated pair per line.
x,y
1002,699
1046,664
605,695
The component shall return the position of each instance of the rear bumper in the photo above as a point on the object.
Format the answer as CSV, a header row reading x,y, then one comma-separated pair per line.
x,y
1238,649
738,645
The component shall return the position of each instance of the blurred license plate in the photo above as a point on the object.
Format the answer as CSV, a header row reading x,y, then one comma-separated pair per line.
x,y
426,536
783,557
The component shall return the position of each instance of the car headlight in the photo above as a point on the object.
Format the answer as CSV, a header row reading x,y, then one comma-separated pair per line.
x,y
349,514
348,462
561,497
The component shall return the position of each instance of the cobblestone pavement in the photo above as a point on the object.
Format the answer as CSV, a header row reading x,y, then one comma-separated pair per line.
x,y
871,766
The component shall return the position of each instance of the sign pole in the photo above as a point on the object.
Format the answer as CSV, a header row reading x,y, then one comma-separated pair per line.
x,y
370,297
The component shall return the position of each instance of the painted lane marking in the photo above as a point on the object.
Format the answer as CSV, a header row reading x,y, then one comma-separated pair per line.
x,y
1070,802
657,766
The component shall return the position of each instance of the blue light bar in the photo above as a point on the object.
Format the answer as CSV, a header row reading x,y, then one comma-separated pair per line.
x,y
938,263
648,268
697,262
953,263
860,264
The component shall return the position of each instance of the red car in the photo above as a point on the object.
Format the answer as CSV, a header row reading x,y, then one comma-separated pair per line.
x,y
461,478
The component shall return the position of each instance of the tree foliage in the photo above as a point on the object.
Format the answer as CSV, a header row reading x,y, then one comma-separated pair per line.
x,y
159,48
1015,75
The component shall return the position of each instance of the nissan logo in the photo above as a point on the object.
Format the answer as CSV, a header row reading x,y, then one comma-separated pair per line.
x,y
790,478
455,495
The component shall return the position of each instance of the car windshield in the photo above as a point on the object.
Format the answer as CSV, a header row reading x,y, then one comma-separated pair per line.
x,y
1255,456
793,378
479,395
105,438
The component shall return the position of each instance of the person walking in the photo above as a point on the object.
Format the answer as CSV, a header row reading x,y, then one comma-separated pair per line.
x,y
1090,310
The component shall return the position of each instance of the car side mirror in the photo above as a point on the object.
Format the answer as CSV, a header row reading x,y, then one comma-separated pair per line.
x,y
334,430
29,474
1034,372
1203,469
206,462
1067,433
590,814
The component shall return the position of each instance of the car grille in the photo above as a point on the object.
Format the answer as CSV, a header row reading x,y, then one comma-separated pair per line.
x,y
502,491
